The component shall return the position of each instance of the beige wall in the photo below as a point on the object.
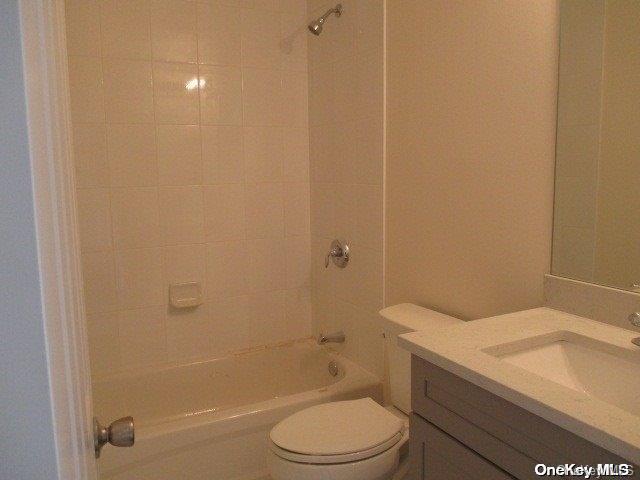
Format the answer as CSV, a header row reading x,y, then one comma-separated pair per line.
x,y
346,118
470,137
191,142
618,224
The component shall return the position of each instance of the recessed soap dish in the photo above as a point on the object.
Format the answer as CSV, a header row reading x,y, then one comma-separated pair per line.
x,y
185,295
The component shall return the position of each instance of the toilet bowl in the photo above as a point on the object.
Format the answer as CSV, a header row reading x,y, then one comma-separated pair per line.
x,y
355,439
350,440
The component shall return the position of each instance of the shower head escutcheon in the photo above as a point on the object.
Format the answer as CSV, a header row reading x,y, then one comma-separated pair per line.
x,y
315,27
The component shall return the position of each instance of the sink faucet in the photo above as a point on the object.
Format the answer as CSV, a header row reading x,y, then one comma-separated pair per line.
x,y
634,319
337,337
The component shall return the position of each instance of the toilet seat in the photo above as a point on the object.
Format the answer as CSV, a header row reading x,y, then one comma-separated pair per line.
x,y
336,432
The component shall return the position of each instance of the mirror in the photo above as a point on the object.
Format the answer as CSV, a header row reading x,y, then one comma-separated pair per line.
x,y
596,235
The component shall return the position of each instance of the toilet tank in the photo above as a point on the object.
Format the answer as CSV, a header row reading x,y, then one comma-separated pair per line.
x,y
399,319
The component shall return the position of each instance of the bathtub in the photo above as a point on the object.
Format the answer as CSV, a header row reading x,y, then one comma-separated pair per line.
x,y
210,420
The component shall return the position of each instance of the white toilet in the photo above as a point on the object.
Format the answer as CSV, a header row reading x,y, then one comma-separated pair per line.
x,y
356,439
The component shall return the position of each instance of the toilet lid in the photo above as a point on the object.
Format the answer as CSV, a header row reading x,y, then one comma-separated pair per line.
x,y
338,428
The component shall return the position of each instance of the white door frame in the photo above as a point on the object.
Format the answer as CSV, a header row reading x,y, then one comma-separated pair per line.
x,y
48,115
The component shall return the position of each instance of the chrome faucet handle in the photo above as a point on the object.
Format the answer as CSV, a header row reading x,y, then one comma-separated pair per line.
x,y
339,253
634,319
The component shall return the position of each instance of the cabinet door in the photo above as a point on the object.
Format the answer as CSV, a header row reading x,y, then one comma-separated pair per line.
x,y
437,456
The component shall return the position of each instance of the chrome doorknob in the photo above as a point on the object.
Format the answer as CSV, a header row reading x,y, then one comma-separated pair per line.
x,y
121,433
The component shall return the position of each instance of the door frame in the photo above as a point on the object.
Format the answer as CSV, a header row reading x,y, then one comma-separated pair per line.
x,y
50,144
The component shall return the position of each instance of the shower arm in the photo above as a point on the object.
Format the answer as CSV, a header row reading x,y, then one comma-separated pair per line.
x,y
337,10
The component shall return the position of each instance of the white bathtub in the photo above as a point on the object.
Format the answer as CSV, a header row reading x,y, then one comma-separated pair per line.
x,y
210,420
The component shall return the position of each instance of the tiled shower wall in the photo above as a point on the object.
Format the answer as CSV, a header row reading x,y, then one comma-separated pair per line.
x,y
191,147
346,139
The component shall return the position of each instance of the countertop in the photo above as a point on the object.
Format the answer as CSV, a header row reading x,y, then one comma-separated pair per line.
x,y
459,350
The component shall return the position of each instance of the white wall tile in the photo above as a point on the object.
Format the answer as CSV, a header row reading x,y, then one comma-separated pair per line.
x,y
94,219
128,91
139,278
191,169
369,25
345,92
132,155
262,96
224,212
264,210
230,325
136,217
293,40
296,209
295,154
321,87
577,150
184,263
83,27
179,155
189,335
267,317
369,218
86,90
219,34
346,174
143,338
267,268
260,38
175,88
99,282
103,333
579,98
323,153
298,263
90,155
370,86
263,154
323,197
295,99
298,312
222,153
182,215
346,215
227,269
369,145
125,28
173,31
220,95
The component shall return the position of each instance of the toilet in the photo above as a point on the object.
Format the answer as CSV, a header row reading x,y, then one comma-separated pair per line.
x,y
356,439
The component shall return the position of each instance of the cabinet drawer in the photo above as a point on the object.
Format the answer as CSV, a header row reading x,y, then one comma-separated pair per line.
x,y
438,456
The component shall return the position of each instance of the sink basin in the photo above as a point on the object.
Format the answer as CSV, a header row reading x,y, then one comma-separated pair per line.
x,y
604,371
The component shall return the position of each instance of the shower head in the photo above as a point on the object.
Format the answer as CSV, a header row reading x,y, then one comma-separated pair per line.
x,y
315,27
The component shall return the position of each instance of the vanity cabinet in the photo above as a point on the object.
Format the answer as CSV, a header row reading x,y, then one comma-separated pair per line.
x,y
461,431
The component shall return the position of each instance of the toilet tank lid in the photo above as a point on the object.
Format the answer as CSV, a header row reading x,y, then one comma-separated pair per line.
x,y
408,317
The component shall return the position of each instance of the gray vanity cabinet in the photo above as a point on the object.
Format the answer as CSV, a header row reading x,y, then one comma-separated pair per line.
x,y
460,431
439,456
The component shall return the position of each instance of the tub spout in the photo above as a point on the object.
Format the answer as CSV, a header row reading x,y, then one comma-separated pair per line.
x,y
337,337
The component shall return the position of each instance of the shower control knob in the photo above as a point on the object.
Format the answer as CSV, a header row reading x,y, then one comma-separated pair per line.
x,y
121,433
339,253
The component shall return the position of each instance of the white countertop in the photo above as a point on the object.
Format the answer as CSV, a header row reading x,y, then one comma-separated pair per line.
x,y
459,350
